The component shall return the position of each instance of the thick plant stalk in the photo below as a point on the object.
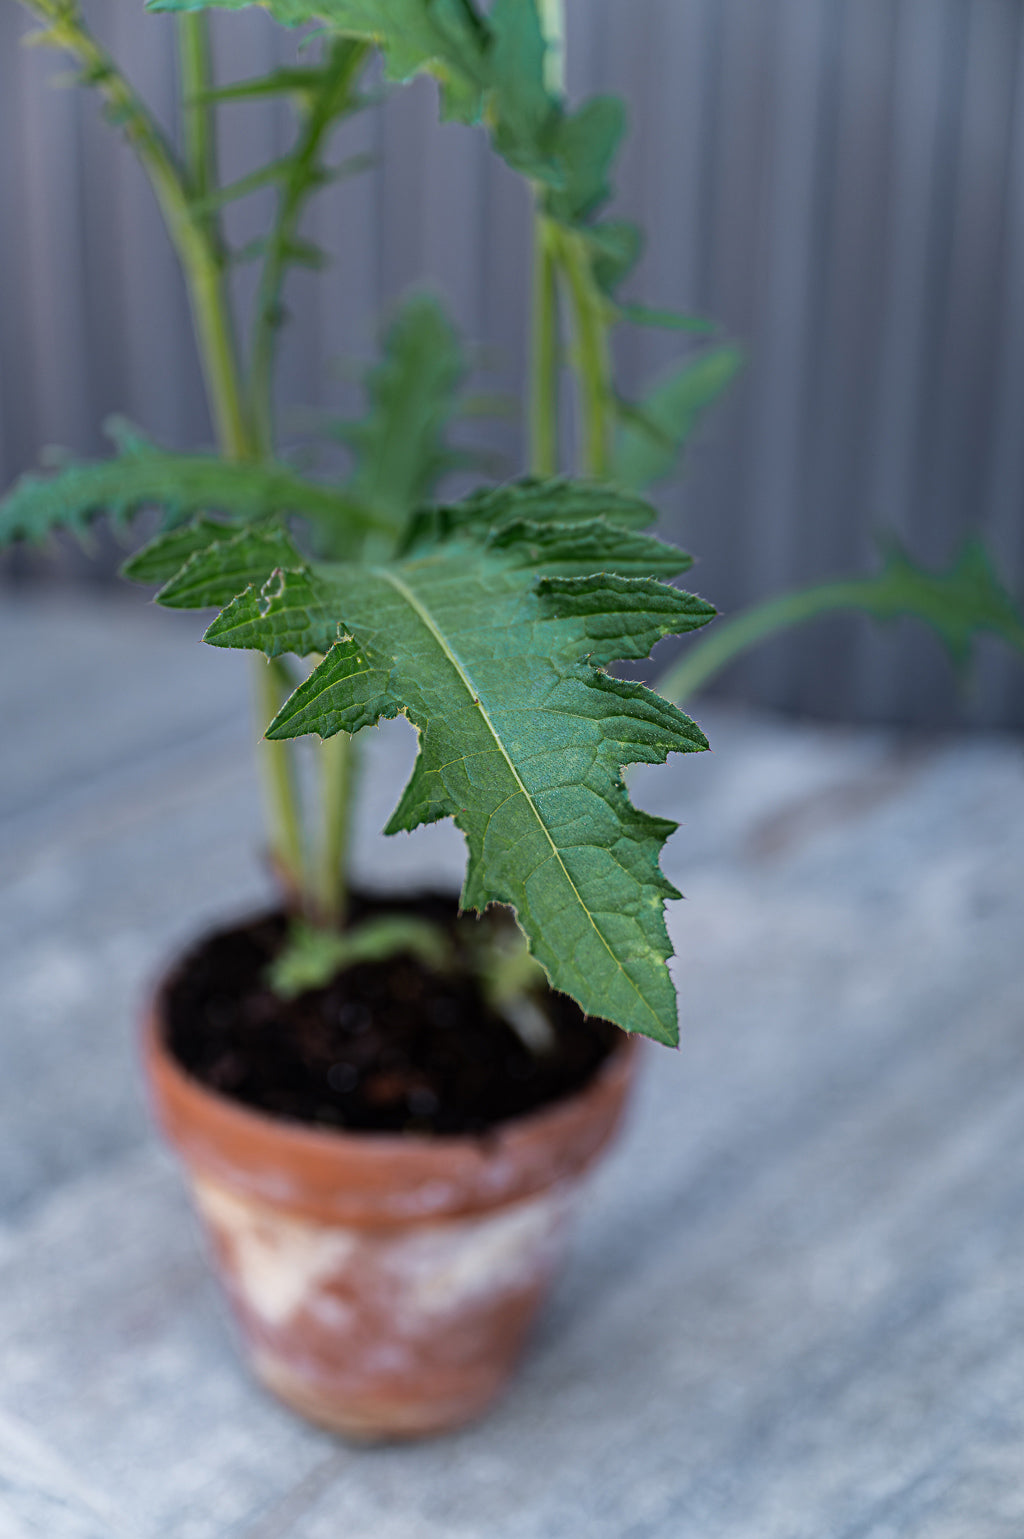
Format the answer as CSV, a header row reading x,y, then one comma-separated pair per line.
x,y
182,193
198,122
279,781
591,354
63,27
204,267
219,352
545,359
338,762
551,14
559,253
544,362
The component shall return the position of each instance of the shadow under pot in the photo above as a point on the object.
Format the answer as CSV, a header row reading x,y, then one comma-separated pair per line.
x,y
384,1282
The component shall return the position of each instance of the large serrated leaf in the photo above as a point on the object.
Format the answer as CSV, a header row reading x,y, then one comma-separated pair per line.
x,y
492,656
181,485
666,320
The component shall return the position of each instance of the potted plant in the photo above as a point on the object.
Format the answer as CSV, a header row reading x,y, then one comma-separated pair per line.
x,y
384,1105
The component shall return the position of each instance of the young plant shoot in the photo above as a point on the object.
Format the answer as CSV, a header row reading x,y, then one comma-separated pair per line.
x,y
490,623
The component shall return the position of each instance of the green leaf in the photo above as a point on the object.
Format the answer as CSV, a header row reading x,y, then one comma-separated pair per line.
x,y
305,253
615,248
311,957
497,660
400,445
212,576
521,108
291,610
571,153
143,475
164,556
530,500
561,549
445,37
620,618
586,145
491,67
653,435
959,603
667,320
292,13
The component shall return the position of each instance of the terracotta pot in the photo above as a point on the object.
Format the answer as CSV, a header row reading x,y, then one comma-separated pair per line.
x,y
384,1284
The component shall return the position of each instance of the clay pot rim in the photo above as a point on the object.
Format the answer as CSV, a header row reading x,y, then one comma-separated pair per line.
x,y
159,1060
378,1179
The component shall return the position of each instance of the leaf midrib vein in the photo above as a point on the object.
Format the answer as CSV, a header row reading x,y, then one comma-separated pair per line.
x,y
420,609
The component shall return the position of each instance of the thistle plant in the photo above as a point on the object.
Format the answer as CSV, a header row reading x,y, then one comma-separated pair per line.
x,y
490,623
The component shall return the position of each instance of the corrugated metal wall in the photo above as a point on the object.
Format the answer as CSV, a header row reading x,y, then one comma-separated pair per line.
x,y
840,182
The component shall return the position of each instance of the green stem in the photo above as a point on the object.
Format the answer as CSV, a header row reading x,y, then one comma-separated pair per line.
x,y
545,363
217,351
551,14
336,756
63,27
201,247
591,353
731,637
183,191
344,62
338,770
198,123
544,368
273,684
211,303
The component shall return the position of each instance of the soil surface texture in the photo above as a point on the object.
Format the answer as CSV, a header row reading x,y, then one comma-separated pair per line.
x,y
386,1046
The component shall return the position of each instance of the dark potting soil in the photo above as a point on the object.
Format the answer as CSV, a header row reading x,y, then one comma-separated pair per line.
x,y
385,1047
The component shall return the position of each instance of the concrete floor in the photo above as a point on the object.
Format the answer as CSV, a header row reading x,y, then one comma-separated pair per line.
x,y
795,1303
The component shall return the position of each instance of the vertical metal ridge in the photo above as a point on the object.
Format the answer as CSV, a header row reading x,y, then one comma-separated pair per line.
x,y
1000,694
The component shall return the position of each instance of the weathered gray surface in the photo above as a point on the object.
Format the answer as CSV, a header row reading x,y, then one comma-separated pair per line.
x,y
795,1305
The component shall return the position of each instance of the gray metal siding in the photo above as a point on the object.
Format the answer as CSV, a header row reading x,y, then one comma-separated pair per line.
x,y
840,182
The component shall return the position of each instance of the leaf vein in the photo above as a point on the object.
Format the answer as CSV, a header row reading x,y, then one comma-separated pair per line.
x,y
411,598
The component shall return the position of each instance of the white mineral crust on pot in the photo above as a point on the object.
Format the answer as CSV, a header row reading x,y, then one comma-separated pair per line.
x,y
282,1265
279,1262
442,1267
